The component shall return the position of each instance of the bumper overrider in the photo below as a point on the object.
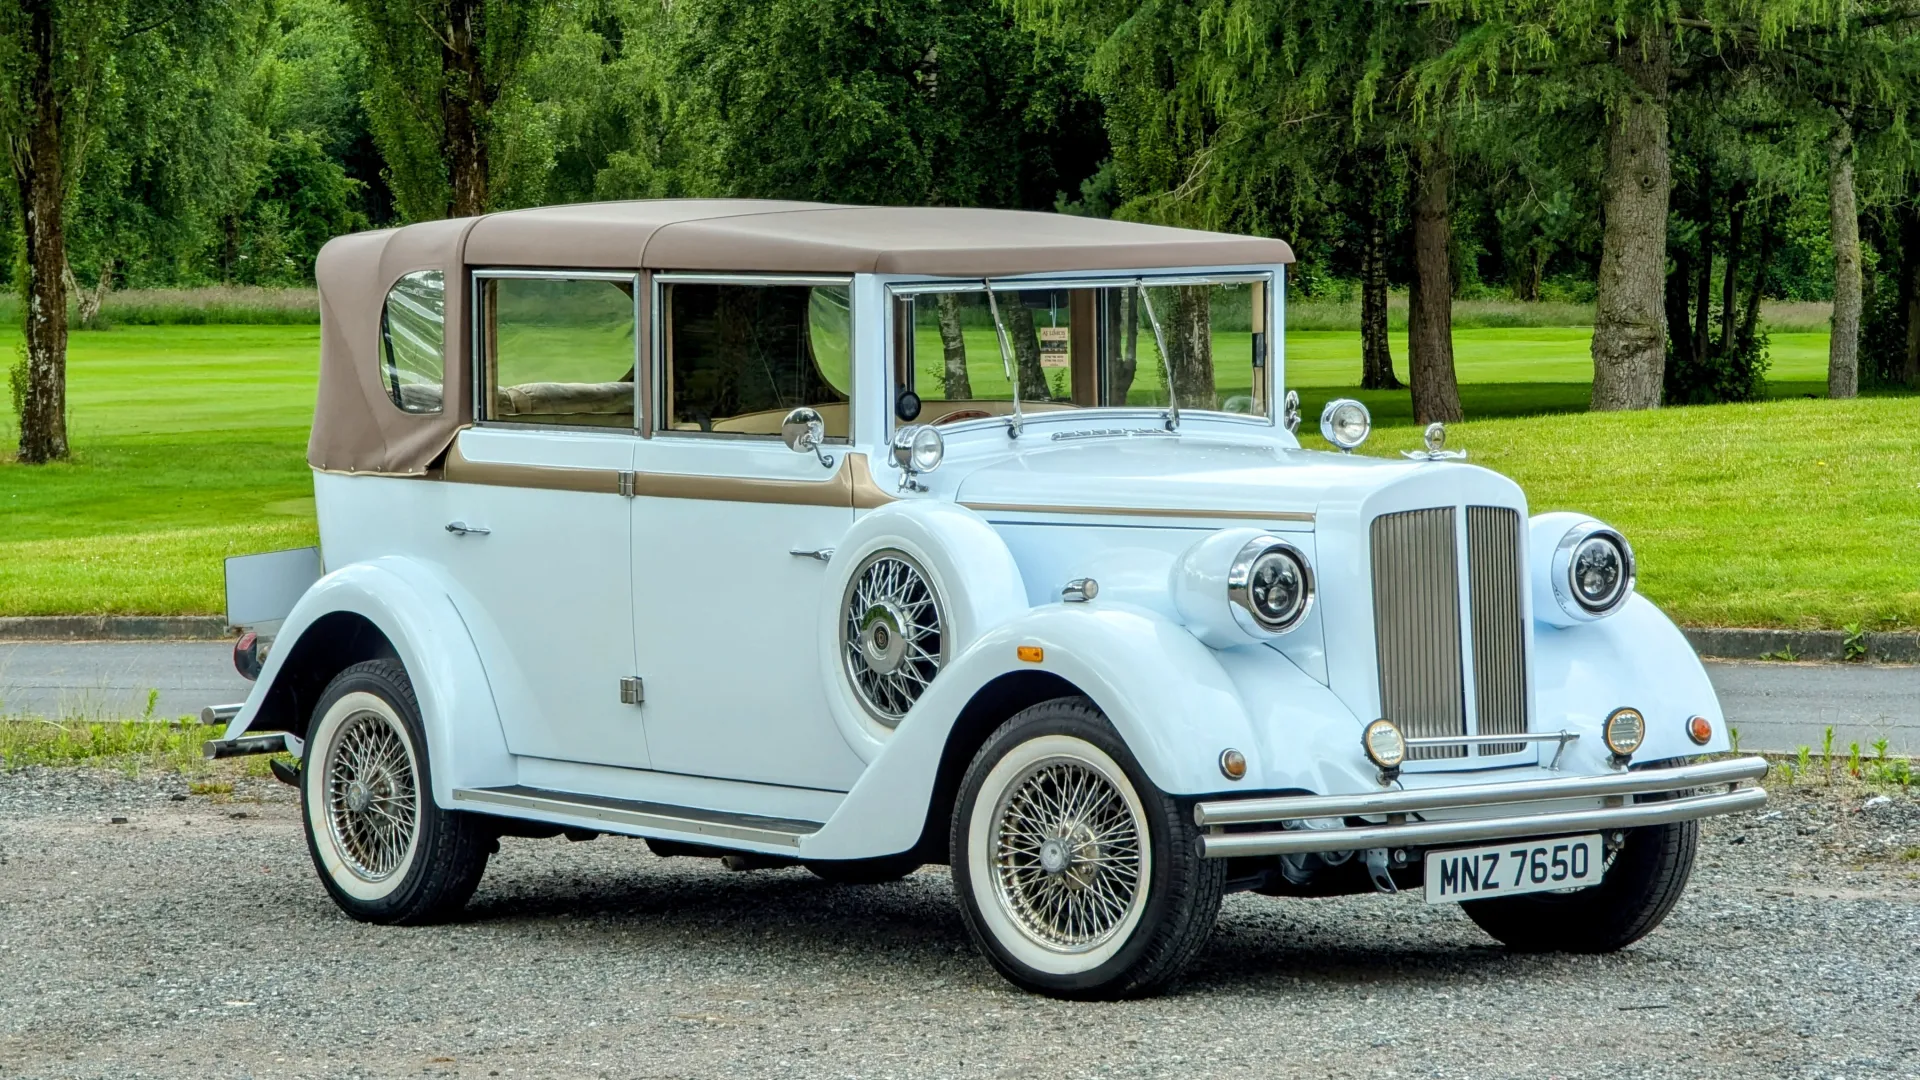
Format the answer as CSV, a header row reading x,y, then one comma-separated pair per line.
x,y
1310,824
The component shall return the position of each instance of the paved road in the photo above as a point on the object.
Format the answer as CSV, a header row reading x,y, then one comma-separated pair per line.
x,y
1775,706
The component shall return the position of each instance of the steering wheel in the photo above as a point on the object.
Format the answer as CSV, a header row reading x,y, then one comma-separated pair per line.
x,y
958,415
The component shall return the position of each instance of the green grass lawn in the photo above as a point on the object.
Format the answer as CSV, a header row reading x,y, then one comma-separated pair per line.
x,y
190,445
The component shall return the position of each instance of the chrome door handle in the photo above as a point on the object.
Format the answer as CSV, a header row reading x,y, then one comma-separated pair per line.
x,y
461,528
823,554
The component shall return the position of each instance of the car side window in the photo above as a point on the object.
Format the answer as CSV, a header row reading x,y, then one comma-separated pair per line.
x,y
739,357
559,350
413,339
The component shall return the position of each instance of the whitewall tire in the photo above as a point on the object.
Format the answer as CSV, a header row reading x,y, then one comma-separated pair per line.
x,y
384,851
1076,876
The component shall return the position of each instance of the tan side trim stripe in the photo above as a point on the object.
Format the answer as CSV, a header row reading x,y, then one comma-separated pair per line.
x,y
1139,511
851,486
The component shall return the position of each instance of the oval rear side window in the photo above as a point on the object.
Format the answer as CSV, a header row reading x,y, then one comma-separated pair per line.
x,y
413,335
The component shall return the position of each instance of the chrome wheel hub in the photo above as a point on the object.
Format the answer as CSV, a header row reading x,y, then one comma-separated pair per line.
x,y
373,803
894,641
1068,855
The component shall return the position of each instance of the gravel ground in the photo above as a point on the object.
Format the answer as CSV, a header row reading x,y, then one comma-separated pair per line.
x,y
192,940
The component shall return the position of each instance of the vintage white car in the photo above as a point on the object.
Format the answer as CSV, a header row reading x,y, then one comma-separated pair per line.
x,y
864,538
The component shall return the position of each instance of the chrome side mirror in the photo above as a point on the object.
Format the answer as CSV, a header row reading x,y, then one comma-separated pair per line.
x,y
805,432
1290,412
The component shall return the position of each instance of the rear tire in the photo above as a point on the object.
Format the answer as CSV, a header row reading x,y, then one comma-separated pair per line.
x,y
1076,876
1641,886
385,852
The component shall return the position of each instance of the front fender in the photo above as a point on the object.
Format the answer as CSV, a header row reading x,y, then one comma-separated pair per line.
x,y
1635,657
1165,692
410,604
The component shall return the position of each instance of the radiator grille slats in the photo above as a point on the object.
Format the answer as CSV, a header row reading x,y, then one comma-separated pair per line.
x,y
1494,582
1416,610
1423,661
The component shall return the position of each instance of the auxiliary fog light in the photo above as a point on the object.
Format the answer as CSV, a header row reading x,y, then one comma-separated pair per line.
x,y
918,448
1625,730
1384,744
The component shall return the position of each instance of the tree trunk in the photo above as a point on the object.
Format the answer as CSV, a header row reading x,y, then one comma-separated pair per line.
x,y
1376,349
1750,322
1910,283
1629,325
1703,281
1843,349
1730,277
464,106
1436,393
41,172
953,347
1026,348
1128,343
1188,325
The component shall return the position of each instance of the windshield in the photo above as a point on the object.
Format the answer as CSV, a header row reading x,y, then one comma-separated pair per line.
x,y
1085,348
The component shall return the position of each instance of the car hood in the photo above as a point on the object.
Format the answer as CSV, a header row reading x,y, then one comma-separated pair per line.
x,y
1214,478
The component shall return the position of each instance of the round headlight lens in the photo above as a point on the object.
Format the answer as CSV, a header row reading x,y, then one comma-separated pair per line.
x,y
1345,423
1384,744
918,448
1271,582
1625,730
1600,572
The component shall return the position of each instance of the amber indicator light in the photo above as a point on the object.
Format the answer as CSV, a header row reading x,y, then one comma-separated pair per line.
x,y
1700,729
1032,654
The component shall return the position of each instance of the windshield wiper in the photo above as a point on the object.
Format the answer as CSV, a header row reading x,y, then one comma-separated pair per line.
x,y
1014,420
1166,359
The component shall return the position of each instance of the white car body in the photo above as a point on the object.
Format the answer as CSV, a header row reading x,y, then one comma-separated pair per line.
x,y
530,574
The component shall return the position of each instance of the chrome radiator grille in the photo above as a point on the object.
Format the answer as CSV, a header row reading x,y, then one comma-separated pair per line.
x,y
1416,605
1416,618
1499,625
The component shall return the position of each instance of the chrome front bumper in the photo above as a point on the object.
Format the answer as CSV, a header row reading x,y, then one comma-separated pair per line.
x,y
1617,810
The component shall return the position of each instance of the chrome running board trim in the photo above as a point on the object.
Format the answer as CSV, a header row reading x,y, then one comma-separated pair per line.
x,y
1431,833
643,816
1646,781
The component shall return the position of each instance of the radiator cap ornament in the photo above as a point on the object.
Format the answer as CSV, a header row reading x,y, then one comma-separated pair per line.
x,y
1436,439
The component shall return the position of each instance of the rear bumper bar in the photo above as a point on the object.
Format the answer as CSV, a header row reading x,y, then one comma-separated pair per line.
x,y
1615,792
273,742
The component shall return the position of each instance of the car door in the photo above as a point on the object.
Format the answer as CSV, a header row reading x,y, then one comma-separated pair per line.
x,y
539,530
726,594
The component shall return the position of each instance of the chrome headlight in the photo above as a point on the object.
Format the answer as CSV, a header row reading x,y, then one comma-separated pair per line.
x,y
1345,423
1583,570
1242,586
1271,582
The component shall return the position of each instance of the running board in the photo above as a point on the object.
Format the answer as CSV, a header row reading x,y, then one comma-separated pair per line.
x,y
643,816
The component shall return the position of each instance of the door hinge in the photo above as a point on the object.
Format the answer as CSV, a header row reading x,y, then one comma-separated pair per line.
x,y
633,690
626,484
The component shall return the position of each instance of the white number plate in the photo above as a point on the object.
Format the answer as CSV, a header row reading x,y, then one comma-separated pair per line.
x,y
1520,866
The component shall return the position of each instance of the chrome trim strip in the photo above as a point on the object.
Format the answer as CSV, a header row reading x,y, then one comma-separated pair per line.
x,y
657,817
1294,807
1561,737
1139,511
1431,833
851,486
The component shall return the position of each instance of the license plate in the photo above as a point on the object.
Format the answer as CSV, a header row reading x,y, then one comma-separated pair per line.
x,y
1514,868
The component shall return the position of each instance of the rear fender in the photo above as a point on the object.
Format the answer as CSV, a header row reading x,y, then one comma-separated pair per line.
x,y
1165,693
410,605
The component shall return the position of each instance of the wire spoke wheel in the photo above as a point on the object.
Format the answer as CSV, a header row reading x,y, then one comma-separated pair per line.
x,y
893,636
1068,855
372,798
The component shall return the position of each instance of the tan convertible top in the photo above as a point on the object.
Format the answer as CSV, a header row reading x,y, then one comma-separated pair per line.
x,y
357,428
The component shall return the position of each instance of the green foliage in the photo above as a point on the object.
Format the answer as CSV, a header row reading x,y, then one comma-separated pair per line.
x,y
1720,376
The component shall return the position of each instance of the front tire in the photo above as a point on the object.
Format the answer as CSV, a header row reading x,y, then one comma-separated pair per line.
x,y
385,852
1076,876
1642,884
